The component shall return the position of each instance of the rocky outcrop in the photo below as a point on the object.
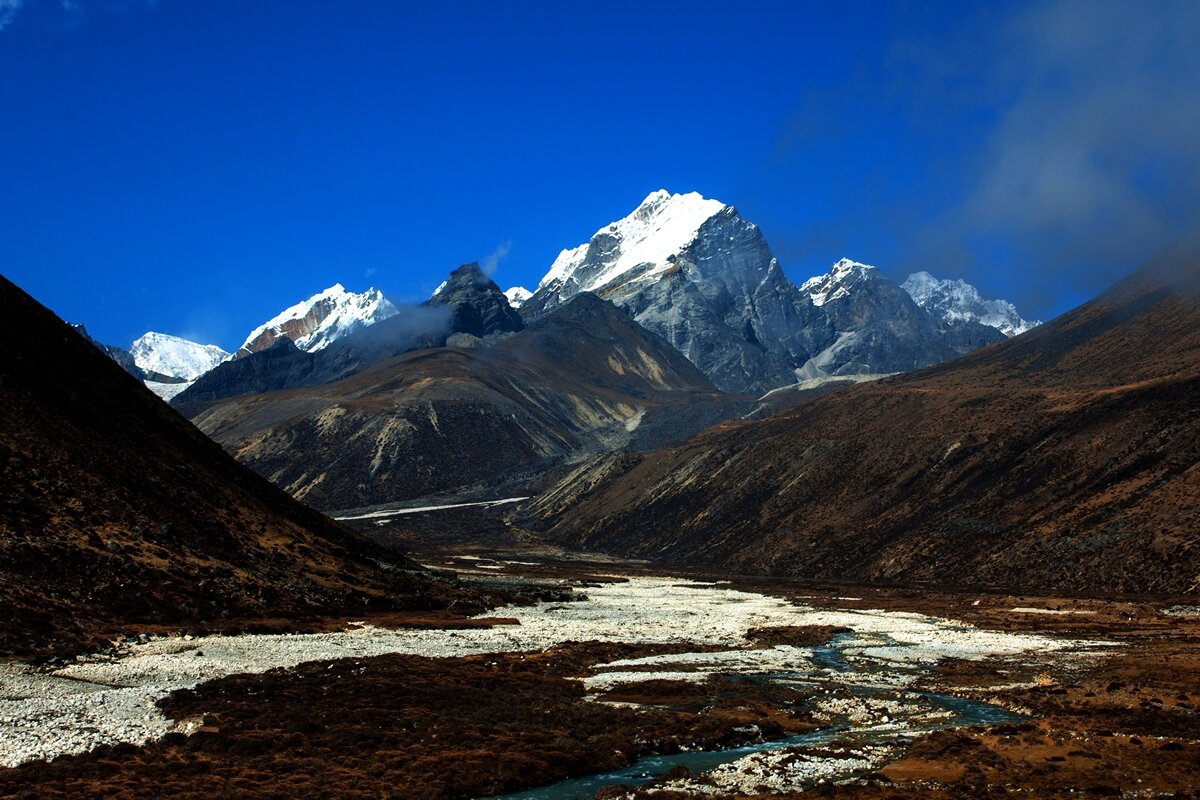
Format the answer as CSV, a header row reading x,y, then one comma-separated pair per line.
x,y
477,305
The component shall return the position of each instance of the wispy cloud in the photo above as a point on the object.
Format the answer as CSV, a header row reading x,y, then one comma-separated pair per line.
x,y
8,10
489,264
1096,155
1062,137
72,14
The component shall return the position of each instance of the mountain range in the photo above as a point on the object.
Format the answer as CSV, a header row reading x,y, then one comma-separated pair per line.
x,y
693,271
330,398
1063,459
696,273
1058,456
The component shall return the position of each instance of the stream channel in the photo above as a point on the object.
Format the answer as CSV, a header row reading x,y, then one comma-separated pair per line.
x,y
871,685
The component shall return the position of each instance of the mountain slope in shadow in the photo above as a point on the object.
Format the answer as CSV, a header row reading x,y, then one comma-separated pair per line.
x,y
117,512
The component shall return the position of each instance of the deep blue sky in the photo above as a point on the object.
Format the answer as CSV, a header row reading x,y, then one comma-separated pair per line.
x,y
194,167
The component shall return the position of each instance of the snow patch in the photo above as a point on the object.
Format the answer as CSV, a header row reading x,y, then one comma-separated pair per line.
x,y
662,226
167,391
326,317
838,282
959,300
517,295
174,356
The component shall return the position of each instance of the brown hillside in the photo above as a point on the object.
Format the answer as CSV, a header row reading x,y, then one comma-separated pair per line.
x,y
117,512
1066,458
583,379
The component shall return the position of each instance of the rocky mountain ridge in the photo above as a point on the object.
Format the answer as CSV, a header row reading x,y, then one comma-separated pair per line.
x,y
467,304
953,300
696,273
322,319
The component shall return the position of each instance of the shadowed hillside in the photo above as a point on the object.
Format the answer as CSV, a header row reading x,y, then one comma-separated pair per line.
x,y
117,512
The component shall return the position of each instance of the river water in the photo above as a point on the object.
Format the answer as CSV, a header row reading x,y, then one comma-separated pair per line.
x,y
867,711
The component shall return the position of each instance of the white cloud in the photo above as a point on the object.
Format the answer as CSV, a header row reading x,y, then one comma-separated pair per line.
x,y
8,9
489,264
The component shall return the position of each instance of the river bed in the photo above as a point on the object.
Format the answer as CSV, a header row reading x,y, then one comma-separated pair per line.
x,y
866,676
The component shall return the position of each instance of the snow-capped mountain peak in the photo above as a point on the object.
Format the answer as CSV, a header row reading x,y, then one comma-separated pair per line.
x,y
322,319
959,300
175,357
841,279
517,295
661,226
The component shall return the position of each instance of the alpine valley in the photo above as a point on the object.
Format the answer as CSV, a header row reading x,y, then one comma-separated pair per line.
x,y
670,525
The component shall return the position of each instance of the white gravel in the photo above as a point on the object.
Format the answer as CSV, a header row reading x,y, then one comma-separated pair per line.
x,y
96,700
778,771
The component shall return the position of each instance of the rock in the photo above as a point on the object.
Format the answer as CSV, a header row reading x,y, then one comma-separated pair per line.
x,y
477,305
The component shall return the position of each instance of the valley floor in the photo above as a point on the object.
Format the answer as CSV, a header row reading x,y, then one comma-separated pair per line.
x,y
732,690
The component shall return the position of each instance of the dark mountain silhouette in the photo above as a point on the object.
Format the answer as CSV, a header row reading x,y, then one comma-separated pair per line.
x,y
117,512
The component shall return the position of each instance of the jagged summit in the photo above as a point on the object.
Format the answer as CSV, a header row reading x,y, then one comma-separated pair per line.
x,y
174,356
322,319
959,300
645,243
839,282
696,273
477,305
517,295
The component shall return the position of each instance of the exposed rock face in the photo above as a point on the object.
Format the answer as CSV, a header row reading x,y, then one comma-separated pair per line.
x,y
954,301
118,513
478,307
278,367
1063,459
881,330
321,320
696,273
580,380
